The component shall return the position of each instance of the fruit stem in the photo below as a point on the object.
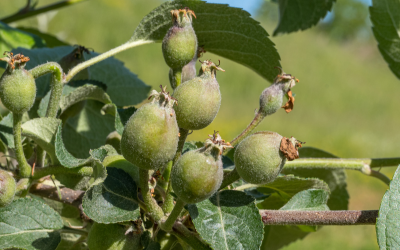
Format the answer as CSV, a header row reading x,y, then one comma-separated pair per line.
x,y
169,200
169,222
130,44
40,157
181,232
81,171
254,123
24,167
181,143
176,78
56,84
152,207
230,178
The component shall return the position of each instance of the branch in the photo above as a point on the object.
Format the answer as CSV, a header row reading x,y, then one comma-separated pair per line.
x,y
316,218
24,13
68,196
350,163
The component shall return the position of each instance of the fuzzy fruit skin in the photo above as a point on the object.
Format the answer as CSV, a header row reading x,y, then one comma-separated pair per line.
x,y
271,99
196,176
179,46
150,137
112,237
258,159
17,90
198,102
7,188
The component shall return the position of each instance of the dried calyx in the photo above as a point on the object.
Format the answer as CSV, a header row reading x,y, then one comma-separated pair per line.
x,y
18,61
208,67
182,17
289,147
163,98
215,145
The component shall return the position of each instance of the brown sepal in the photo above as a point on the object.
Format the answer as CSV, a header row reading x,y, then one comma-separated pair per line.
x,y
290,103
289,150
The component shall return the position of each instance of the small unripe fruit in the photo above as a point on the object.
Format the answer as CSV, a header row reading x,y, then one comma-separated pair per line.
x,y
112,237
179,45
198,99
17,85
271,98
7,188
259,159
151,135
198,173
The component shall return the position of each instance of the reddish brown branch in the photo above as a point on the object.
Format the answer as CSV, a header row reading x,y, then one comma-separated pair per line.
x,y
68,196
314,218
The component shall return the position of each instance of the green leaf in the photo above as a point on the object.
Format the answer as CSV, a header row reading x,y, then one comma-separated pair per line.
x,y
123,87
221,30
44,103
11,38
385,17
29,224
87,130
50,40
121,115
114,200
69,242
192,145
86,92
6,130
282,189
43,132
67,90
308,200
388,222
148,243
335,178
275,237
228,220
65,158
301,14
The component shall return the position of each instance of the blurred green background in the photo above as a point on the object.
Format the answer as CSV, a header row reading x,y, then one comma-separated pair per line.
x,y
346,101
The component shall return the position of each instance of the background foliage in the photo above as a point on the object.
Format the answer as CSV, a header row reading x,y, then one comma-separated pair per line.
x,y
345,102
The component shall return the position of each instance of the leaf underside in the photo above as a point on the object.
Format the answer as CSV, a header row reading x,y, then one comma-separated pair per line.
x,y
388,221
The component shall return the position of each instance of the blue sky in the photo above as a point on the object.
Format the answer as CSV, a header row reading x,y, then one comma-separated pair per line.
x,y
248,5
252,5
